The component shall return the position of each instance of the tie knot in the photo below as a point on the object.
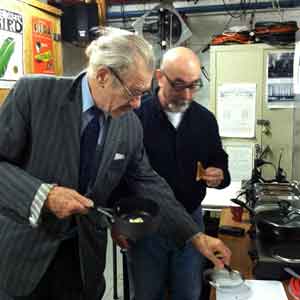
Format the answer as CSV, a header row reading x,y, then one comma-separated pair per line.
x,y
94,111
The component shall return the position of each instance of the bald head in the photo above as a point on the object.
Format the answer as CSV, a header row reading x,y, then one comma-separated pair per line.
x,y
181,60
178,78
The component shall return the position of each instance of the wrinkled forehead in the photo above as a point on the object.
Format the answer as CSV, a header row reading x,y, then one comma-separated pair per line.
x,y
186,70
139,77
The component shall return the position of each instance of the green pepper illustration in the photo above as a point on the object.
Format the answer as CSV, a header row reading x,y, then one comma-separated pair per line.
x,y
43,57
6,50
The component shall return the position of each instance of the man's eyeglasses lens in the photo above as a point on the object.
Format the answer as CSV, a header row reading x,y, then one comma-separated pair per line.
x,y
179,86
127,90
194,86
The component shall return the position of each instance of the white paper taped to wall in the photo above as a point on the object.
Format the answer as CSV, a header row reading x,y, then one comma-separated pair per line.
x,y
236,110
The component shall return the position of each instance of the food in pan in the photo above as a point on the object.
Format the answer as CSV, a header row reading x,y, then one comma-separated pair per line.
x,y
136,220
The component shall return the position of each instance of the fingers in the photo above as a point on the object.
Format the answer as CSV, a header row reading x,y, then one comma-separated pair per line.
x,y
221,256
212,248
64,202
213,176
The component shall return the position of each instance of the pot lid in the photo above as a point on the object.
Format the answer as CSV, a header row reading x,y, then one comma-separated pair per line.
x,y
223,279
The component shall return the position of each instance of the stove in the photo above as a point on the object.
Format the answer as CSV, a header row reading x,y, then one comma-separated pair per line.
x,y
271,257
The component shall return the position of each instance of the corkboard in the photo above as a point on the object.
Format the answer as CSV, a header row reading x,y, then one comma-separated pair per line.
x,y
3,94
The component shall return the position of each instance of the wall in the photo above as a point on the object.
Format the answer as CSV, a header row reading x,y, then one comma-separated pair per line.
x,y
203,26
74,59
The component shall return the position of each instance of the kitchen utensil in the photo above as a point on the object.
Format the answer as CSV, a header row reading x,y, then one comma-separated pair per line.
x,y
132,217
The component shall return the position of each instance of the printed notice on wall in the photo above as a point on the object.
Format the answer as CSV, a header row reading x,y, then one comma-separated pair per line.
x,y
296,66
236,110
240,160
280,93
11,47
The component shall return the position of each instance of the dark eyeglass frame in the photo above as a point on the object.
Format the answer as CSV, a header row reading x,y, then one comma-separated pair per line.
x,y
125,87
179,87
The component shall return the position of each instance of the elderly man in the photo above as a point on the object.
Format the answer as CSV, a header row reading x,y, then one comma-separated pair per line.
x,y
180,138
65,143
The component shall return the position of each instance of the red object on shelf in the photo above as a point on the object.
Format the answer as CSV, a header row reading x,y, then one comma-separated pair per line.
x,y
294,288
231,38
237,213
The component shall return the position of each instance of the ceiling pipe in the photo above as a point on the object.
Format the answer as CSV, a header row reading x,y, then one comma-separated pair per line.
x,y
208,9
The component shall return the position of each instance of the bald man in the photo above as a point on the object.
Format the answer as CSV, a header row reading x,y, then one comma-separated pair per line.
x,y
179,134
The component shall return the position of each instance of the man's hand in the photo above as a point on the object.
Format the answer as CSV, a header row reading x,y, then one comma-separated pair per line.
x,y
213,249
213,176
64,202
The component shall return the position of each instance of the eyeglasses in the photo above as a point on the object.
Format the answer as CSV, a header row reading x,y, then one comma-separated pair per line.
x,y
126,89
180,86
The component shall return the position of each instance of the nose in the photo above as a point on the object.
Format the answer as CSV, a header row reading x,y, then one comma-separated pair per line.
x,y
135,102
188,94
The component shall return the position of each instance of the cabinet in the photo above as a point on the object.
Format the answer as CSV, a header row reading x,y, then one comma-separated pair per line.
x,y
233,64
34,28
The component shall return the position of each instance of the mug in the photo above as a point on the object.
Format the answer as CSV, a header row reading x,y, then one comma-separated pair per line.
x,y
237,213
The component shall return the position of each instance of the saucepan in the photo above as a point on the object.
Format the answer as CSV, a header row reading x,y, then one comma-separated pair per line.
x,y
132,217
228,281
281,222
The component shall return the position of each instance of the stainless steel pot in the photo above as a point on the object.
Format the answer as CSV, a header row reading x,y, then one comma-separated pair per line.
x,y
281,222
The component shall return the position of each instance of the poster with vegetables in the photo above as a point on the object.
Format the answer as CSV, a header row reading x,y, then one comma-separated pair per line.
x,y
11,47
42,48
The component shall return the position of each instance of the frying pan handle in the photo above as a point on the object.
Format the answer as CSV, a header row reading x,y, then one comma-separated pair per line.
x,y
107,212
243,204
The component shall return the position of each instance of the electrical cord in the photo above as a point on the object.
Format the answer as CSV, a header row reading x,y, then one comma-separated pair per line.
x,y
280,11
205,73
236,16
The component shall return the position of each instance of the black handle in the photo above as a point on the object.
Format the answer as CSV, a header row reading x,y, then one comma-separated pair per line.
x,y
105,211
243,204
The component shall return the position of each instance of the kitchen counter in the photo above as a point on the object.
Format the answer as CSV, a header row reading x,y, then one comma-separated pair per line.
x,y
239,246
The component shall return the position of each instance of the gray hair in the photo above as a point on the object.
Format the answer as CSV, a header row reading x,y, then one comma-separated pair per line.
x,y
118,49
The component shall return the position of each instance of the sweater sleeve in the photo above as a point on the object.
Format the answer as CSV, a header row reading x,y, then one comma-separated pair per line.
x,y
218,157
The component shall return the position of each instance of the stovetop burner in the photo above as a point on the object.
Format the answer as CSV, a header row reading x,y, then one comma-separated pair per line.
x,y
273,256
286,252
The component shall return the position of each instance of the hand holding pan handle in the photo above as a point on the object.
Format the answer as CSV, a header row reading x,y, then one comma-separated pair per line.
x,y
107,212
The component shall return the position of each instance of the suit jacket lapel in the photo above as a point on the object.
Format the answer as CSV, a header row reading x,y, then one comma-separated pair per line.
x,y
112,140
70,135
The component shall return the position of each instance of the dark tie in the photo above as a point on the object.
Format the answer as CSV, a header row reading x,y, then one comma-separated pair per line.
x,y
88,144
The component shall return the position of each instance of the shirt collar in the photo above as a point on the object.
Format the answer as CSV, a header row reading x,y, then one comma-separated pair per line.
x,y
87,99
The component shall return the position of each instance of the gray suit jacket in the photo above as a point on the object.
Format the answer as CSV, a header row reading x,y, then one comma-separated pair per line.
x,y
40,143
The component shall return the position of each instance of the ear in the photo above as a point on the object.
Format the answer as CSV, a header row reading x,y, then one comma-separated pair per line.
x,y
103,75
159,75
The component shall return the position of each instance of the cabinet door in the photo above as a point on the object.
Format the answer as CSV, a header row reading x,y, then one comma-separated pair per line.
x,y
237,64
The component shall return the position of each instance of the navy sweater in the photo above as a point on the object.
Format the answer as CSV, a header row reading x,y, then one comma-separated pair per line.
x,y
174,153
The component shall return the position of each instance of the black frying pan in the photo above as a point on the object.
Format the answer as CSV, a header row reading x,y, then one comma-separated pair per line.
x,y
133,218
